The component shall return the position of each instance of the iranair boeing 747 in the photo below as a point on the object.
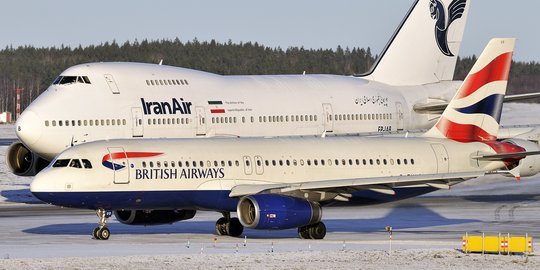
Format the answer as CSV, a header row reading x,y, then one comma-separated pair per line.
x,y
284,182
99,101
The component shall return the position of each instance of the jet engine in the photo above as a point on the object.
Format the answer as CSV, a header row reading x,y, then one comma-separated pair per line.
x,y
23,162
152,217
277,212
530,165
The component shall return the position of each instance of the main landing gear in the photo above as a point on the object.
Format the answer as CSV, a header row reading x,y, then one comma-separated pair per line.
x,y
229,226
102,232
313,231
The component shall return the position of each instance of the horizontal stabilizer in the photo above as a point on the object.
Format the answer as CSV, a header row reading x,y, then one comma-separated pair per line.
x,y
502,156
438,107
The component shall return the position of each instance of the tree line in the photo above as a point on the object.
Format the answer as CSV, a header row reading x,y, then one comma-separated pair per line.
x,y
33,69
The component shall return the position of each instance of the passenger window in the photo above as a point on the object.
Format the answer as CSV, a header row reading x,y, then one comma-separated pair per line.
x,y
151,164
201,164
75,163
61,163
215,163
222,163
87,164
165,164
230,163
144,164
405,161
315,162
194,163
46,123
237,163
412,161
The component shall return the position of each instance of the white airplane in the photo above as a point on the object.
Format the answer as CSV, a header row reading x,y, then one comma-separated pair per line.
x,y
282,183
99,101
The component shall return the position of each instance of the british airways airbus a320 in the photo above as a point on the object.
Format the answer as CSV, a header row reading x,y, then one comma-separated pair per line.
x,y
282,183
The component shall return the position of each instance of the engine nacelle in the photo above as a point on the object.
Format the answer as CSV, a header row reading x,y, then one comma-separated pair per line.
x,y
530,165
23,162
152,217
277,212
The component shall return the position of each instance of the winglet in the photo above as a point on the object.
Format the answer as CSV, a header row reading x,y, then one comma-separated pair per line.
x,y
475,111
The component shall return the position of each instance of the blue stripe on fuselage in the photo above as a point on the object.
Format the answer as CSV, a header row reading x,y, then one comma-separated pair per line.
x,y
215,200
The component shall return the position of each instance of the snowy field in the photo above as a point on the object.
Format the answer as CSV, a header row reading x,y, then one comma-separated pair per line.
x,y
427,232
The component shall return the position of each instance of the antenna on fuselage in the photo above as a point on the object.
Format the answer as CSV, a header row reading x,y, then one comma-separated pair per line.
x,y
160,62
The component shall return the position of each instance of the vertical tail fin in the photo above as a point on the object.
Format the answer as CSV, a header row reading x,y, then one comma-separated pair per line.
x,y
425,46
475,111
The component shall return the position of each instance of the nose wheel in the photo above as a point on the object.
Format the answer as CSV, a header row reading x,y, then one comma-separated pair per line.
x,y
101,232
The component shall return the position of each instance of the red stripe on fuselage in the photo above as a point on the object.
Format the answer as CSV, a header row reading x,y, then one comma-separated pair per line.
x,y
121,155
496,70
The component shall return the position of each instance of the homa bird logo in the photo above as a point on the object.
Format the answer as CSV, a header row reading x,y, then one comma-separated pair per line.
x,y
444,19
110,160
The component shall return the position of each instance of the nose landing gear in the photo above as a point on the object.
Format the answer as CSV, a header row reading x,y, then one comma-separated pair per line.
x,y
102,232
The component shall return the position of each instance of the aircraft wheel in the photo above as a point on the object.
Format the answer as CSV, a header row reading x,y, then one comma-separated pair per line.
x,y
303,232
221,226
234,227
317,231
95,233
104,233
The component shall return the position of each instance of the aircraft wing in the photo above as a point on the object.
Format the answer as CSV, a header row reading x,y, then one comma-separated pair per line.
x,y
438,107
378,184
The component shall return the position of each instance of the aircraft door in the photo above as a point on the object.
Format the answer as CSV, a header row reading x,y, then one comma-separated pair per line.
x,y
201,121
399,115
259,168
442,158
136,117
328,117
118,162
112,84
248,167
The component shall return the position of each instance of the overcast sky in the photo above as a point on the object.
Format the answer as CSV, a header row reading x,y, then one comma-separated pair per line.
x,y
284,23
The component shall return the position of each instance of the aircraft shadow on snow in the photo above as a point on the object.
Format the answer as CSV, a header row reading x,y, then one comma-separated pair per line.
x,y
20,196
406,216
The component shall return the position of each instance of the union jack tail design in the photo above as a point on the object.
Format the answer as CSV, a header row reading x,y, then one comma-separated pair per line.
x,y
474,113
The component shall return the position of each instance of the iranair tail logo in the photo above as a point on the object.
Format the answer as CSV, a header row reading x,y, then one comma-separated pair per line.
x,y
112,160
444,19
476,108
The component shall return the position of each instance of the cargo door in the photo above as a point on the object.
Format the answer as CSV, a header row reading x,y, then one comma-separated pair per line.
x,y
328,117
117,161
136,118
442,158
201,121
112,83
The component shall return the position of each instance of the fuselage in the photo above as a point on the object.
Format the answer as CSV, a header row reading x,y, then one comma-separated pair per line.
x,y
200,173
100,101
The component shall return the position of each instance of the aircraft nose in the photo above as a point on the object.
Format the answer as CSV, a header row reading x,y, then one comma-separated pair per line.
x,y
29,127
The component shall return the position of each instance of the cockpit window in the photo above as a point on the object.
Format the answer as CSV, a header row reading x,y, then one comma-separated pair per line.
x,y
62,80
61,163
87,164
75,163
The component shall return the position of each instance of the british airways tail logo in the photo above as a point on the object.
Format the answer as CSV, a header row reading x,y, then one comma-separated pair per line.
x,y
480,95
444,19
109,160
